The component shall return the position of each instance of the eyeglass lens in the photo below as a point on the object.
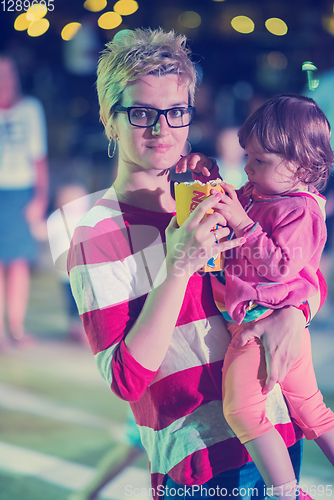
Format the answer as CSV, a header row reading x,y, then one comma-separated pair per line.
x,y
145,117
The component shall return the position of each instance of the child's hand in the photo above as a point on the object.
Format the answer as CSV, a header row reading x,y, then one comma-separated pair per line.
x,y
231,208
197,162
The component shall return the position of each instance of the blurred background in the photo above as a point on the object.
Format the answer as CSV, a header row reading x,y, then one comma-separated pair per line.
x,y
57,417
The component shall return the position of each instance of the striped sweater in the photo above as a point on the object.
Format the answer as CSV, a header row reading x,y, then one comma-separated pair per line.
x,y
115,253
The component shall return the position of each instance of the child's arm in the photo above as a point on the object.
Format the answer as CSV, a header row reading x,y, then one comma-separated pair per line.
x,y
295,243
202,167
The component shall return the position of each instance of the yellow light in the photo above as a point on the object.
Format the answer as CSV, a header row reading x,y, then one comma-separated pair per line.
x,y
276,26
68,31
190,19
242,24
328,24
39,27
219,0
36,11
95,5
126,7
109,20
21,22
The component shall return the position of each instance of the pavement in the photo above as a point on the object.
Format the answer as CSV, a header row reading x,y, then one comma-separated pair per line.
x,y
58,418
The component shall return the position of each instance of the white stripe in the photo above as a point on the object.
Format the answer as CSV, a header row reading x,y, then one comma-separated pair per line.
x,y
195,344
62,222
69,475
98,214
204,427
103,362
96,286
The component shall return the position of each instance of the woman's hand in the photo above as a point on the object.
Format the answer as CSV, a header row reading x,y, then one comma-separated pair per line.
x,y
281,336
190,246
232,210
196,162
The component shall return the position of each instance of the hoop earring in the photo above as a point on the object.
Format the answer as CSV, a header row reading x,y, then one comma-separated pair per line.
x,y
111,155
189,148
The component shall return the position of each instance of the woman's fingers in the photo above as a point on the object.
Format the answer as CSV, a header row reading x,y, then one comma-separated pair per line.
x,y
228,244
172,225
197,215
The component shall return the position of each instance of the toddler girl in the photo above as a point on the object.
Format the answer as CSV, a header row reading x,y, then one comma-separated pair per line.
x,y
281,215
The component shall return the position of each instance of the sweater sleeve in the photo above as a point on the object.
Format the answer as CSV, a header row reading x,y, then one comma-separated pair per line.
x,y
297,240
110,285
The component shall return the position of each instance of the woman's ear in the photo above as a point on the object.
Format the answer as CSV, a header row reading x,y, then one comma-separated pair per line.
x,y
110,128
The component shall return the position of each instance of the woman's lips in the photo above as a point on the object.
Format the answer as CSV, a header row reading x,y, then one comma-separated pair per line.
x,y
160,148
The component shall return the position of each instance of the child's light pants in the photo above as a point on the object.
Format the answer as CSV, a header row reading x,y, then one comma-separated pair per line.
x,y
244,405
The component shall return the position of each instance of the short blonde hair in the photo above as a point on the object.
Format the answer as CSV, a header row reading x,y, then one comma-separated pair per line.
x,y
135,53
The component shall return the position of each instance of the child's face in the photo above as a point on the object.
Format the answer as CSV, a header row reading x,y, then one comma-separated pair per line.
x,y
270,173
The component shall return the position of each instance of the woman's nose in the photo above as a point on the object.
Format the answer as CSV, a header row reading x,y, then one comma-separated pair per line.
x,y
161,127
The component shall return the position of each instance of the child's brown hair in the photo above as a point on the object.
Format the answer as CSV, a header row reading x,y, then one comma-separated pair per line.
x,y
294,127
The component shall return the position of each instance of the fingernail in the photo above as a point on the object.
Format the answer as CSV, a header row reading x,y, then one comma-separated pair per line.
x,y
237,343
217,195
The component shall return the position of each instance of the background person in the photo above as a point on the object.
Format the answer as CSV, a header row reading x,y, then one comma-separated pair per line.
x,y
23,196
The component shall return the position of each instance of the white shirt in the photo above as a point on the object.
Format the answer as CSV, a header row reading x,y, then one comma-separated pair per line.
x,y
22,142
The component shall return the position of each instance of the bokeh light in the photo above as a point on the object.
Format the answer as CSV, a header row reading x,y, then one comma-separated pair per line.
x,y
36,11
126,7
277,60
242,24
276,26
190,19
328,24
38,28
311,69
69,31
95,5
109,20
21,22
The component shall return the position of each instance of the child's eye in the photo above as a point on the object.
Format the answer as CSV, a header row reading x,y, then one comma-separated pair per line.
x,y
258,161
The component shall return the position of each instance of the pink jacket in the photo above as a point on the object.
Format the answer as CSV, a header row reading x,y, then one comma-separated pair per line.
x,y
277,265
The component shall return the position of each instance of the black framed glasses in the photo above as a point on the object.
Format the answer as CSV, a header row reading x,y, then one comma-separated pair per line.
x,y
148,117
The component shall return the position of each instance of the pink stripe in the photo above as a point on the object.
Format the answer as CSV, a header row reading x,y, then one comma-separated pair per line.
x,y
198,303
129,384
104,243
190,388
202,465
106,327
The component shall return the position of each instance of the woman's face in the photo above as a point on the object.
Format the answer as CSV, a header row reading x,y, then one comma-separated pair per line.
x,y
158,147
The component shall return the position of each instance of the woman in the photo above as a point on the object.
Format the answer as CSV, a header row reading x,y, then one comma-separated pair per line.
x,y
157,337
23,196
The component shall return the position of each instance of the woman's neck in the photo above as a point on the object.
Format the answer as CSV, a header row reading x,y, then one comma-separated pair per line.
x,y
147,190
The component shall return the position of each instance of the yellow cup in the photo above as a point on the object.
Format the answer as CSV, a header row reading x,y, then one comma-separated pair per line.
x,y
188,196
